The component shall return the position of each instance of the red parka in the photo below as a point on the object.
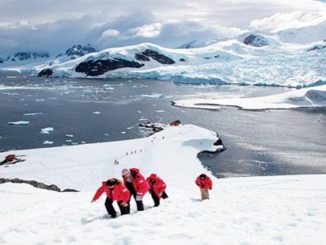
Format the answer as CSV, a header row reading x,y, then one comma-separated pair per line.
x,y
119,193
156,184
204,183
138,181
11,157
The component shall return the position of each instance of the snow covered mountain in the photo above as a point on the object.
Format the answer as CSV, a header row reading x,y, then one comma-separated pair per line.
x,y
26,61
252,59
281,50
25,57
74,52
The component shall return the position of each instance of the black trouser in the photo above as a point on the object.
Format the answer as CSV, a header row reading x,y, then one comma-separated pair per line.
x,y
111,211
130,187
156,199
3,162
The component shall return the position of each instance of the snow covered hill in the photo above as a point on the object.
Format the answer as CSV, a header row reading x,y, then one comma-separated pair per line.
x,y
252,210
301,98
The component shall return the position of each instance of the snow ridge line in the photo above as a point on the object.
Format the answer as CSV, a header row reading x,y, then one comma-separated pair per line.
x,y
36,184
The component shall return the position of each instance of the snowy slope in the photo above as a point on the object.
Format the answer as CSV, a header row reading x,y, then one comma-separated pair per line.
x,y
259,210
93,162
304,97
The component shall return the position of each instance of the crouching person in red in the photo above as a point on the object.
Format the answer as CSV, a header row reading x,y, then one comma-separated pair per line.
x,y
115,191
136,184
157,188
205,184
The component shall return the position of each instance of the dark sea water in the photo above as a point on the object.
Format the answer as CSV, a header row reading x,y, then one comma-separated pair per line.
x,y
270,142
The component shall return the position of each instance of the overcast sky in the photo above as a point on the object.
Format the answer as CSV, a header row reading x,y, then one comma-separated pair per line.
x,y
55,25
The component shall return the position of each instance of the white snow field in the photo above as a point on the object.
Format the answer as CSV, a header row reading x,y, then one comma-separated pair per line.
x,y
300,98
251,210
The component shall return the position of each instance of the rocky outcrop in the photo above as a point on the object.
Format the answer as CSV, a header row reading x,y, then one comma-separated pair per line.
x,y
79,50
45,73
141,57
317,47
148,53
99,67
255,40
35,184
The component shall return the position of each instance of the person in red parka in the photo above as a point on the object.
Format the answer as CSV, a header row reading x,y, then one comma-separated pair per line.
x,y
9,158
115,191
205,184
136,184
157,188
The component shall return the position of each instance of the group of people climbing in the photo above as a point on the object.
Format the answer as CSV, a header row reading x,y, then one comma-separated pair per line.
x,y
134,184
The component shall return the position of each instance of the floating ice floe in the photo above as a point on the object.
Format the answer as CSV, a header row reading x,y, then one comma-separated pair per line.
x,y
69,135
96,112
19,123
33,113
46,130
154,95
48,142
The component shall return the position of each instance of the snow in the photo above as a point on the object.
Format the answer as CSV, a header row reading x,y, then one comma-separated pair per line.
x,y
47,142
19,123
305,97
47,130
33,113
251,210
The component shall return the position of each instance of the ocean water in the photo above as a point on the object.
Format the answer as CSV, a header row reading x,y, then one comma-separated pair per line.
x,y
59,111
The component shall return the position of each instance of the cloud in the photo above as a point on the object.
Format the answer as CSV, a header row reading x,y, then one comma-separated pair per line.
x,y
148,31
55,25
110,33
283,21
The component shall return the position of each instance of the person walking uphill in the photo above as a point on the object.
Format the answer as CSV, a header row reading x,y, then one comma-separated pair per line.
x,y
205,184
157,188
136,184
115,191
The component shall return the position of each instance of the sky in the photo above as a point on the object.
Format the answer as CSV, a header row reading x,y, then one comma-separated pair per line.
x,y
55,25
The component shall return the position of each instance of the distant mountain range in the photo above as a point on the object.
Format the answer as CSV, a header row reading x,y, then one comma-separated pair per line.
x,y
71,53
289,57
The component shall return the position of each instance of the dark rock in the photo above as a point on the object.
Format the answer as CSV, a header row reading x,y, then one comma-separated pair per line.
x,y
316,48
158,57
141,57
155,127
45,73
182,60
69,190
79,50
255,40
35,184
99,67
